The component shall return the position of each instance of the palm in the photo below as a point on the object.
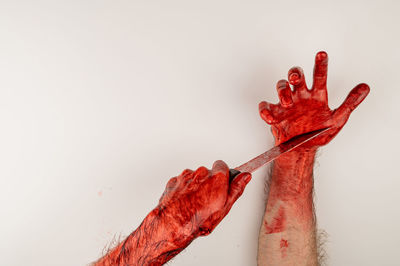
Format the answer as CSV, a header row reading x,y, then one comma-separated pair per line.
x,y
303,110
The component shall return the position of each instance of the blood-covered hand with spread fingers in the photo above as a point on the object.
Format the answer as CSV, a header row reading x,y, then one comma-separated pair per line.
x,y
303,110
288,232
192,205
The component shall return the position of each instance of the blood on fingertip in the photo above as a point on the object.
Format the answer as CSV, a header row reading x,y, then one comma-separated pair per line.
x,y
294,78
321,56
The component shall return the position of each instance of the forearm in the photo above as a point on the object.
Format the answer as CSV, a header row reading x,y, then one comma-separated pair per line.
x,y
154,242
192,205
288,232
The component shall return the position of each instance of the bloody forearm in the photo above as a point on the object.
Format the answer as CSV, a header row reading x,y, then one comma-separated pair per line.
x,y
154,242
287,236
192,205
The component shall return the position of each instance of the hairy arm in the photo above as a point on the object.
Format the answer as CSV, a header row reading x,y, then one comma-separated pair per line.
x,y
192,205
288,232
152,243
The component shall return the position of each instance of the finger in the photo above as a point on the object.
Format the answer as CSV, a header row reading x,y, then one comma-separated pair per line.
x,y
186,172
172,183
169,188
267,112
186,176
284,92
237,187
296,78
355,97
220,170
200,174
197,178
320,71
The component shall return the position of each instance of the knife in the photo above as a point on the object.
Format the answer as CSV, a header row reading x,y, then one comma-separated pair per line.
x,y
274,153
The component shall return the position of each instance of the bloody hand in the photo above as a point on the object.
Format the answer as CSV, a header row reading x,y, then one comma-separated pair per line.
x,y
289,221
192,205
302,110
197,201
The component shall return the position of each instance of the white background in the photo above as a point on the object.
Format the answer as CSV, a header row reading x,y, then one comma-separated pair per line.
x,y
101,102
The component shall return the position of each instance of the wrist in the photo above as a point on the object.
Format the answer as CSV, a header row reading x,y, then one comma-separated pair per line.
x,y
292,174
296,159
177,227
164,240
154,242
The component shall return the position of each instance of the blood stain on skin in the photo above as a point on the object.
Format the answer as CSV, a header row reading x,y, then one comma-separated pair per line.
x,y
192,205
284,245
277,224
302,109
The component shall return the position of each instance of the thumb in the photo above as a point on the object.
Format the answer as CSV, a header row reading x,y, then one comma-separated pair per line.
x,y
355,97
237,187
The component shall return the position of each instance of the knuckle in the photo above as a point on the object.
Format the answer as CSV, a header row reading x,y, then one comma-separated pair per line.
x,y
201,172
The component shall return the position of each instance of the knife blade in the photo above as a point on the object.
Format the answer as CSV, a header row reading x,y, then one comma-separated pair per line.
x,y
275,152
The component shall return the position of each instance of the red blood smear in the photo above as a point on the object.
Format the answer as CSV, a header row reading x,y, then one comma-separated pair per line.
x,y
277,224
302,110
284,245
192,205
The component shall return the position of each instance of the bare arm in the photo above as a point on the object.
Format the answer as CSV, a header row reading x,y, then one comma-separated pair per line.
x,y
288,232
192,205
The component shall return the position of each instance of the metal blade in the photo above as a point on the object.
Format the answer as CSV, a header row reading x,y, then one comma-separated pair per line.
x,y
277,151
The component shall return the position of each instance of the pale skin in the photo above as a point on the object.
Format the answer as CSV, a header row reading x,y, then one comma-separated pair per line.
x,y
294,243
288,232
195,202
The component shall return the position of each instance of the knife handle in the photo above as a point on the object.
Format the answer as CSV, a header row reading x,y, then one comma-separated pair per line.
x,y
232,174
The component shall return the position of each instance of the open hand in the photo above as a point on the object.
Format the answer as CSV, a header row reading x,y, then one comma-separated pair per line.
x,y
302,110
